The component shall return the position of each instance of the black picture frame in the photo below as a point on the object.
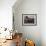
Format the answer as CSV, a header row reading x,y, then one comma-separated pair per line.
x,y
29,19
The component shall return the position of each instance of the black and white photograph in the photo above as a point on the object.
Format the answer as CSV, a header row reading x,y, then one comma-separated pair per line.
x,y
29,19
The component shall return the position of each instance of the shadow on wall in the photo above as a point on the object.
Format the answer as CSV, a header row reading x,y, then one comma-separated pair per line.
x,y
27,29
17,4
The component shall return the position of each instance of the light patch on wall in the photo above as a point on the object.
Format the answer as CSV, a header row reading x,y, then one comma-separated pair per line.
x,y
6,13
6,18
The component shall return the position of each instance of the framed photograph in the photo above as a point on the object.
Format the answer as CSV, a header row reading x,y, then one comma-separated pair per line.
x,y
29,19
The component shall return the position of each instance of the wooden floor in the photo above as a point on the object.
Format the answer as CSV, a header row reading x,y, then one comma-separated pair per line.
x,y
9,43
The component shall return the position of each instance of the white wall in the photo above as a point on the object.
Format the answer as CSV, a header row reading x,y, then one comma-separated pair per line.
x,y
28,7
43,22
6,13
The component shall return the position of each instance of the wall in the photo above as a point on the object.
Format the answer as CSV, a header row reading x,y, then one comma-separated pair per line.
x,y
43,22
6,13
28,7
